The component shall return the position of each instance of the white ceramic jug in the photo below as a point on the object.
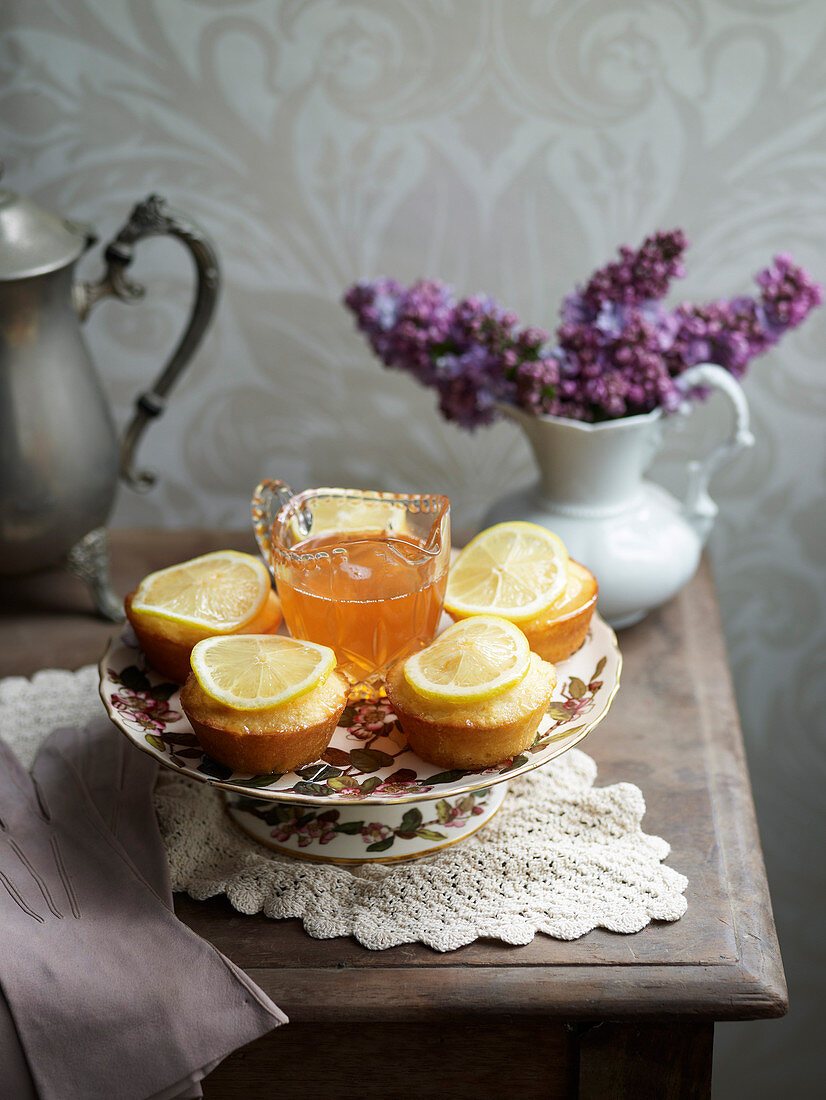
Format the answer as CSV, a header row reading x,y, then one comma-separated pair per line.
x,y
639,541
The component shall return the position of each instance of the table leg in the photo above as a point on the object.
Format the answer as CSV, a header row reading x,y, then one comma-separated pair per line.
x,y
646,1061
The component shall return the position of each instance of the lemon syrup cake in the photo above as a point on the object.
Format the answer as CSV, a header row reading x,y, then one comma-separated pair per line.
x,y
473,697
263,703
515,569
224,592
560,630
522,571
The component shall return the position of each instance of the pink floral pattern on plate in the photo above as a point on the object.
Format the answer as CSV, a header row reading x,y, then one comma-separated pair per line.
x,y
289,823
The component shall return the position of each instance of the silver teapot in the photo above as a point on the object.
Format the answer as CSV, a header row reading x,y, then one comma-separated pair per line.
x,y
60,457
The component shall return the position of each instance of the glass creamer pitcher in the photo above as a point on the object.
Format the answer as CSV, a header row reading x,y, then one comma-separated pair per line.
x,y
361,571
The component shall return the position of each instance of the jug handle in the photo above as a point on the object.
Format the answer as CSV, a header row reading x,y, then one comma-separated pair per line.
x,y
153,218
269,498
699,509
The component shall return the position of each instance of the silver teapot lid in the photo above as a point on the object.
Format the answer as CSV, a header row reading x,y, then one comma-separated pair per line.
x,y
33,240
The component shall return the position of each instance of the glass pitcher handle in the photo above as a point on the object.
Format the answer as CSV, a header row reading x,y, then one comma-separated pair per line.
x,y
153,218
699,509
267,501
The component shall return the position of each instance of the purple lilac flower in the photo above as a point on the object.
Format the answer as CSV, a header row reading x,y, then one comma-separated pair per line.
x,y
637,277
732,333
467,350
537,382
788,294
618,350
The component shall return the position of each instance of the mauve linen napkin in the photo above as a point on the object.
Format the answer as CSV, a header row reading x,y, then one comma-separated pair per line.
x,y
109,995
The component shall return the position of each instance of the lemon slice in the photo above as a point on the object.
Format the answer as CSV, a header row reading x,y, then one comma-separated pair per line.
x,y
256,671
473,660
512,569
222,591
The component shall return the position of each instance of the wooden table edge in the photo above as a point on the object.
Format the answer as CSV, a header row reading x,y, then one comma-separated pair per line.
x,y
748,889
726,992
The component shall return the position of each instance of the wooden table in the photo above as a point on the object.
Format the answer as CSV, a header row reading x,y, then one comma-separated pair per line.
x,y
607,1016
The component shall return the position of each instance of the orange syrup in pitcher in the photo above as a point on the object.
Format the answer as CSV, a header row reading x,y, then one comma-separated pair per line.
x,y
376,600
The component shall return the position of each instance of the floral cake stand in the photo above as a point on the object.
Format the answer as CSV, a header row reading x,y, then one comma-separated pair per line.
x,y
369,798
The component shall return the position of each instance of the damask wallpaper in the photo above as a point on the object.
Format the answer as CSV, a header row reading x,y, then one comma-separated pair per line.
x,y
502,145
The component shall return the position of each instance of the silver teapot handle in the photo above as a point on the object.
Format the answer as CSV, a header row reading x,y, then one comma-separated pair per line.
x,y
699,509
152,218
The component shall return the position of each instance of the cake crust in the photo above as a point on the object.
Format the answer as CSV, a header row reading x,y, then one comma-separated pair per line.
x,y
473,735
168,644
276,739
557,633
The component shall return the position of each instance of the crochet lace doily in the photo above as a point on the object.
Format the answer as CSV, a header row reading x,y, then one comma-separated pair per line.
x,y
561,857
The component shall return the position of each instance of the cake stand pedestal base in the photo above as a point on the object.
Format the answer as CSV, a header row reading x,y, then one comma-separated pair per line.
x,y
365,831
